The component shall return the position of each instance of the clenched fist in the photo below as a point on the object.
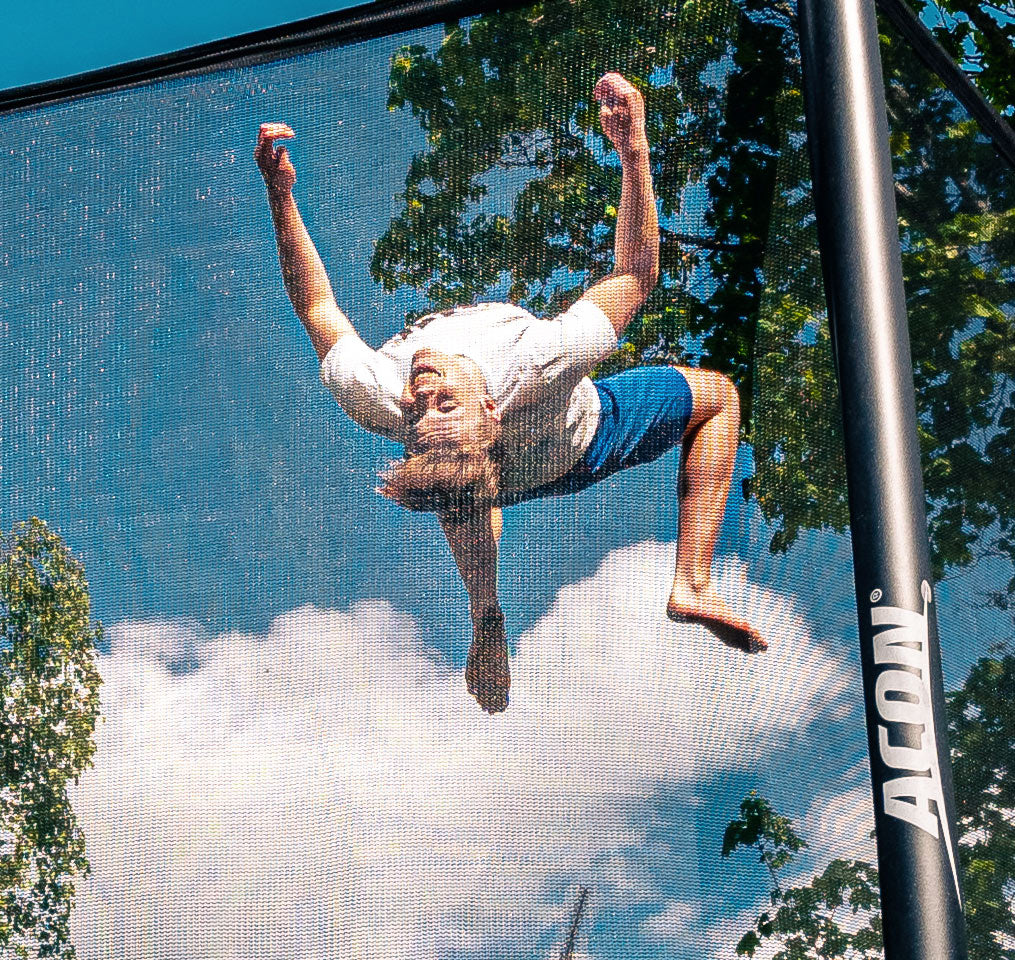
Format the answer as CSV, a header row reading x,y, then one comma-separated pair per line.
x,y
276,167
621,113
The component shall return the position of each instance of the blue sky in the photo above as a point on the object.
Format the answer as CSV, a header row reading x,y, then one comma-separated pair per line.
x,y
58,38
181,401
284,696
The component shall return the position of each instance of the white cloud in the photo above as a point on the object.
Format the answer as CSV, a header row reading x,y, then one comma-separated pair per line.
x,y
328,789
673,924
840,824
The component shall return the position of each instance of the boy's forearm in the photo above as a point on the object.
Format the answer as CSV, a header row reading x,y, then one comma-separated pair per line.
x,y
636,247
474,548
305,278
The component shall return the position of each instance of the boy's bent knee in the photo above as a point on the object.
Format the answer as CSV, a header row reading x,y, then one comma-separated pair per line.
x,y
712,393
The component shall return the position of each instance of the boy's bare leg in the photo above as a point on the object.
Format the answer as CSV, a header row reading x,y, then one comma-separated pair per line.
x,y
474,540
706,469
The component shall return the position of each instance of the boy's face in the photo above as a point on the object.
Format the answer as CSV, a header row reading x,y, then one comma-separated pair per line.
x,y
445,401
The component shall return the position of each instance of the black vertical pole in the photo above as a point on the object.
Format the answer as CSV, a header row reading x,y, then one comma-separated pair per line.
x,y
858,232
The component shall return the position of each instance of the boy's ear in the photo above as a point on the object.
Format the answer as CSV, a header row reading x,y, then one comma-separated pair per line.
x,y
491,407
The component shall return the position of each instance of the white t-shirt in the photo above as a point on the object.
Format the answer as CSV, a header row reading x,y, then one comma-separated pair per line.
x,y
536,372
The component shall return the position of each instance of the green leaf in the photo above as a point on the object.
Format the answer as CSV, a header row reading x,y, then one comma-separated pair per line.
x,y
748,943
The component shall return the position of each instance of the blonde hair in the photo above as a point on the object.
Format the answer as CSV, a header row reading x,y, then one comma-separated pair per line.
x,y
448,479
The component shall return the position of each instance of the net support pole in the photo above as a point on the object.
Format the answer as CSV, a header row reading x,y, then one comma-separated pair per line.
x,y
847,132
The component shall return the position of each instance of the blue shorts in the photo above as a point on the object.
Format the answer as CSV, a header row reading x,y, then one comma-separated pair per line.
x,y
645,412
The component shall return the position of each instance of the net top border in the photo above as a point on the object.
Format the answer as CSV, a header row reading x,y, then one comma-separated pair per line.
x,y
360,22
384,17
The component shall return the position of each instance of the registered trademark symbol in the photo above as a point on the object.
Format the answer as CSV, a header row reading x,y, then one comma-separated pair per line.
x,y
876,595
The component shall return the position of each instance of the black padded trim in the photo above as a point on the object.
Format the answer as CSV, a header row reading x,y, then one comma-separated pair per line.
x,y
357,23
937,59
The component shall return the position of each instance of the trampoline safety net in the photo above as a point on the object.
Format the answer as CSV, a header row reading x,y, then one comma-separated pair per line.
x,y
596,693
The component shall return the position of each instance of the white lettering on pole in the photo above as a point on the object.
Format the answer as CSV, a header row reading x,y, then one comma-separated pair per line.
x,y
902,696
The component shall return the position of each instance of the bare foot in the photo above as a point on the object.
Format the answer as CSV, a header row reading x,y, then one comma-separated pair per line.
x,y
487,674
706,607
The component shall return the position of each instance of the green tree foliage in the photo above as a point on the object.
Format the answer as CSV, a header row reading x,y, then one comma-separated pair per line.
x,y
506,100
505,103
49,702
956,204
981,724
835,913
981,36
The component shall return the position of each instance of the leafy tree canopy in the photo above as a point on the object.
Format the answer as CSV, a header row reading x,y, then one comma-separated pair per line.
x,y
981,36
505,102
956,204
834,914
49,702
981,725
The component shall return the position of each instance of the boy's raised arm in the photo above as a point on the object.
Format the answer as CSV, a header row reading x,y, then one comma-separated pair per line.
x,y
305,278
636,246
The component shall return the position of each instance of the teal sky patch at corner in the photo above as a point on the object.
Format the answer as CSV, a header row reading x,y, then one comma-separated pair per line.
x,y
52,39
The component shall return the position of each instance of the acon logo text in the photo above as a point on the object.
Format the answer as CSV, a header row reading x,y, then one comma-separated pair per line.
x,y
907,742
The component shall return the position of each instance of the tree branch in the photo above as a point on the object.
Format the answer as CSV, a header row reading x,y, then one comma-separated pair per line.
x,y
706,243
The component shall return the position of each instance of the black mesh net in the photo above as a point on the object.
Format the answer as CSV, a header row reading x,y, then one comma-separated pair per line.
x,y
288,760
